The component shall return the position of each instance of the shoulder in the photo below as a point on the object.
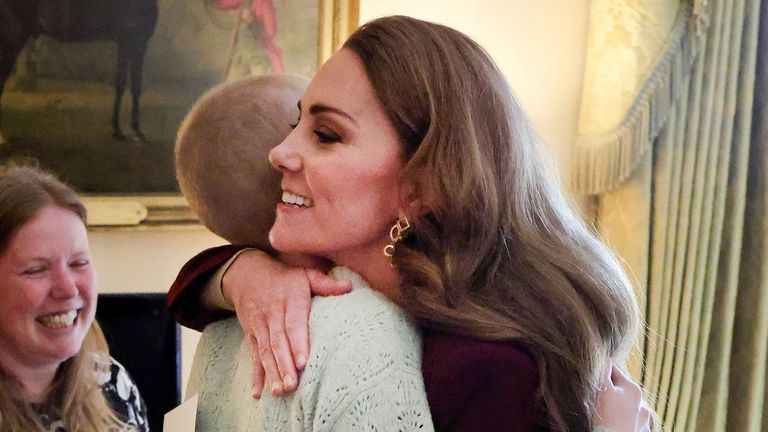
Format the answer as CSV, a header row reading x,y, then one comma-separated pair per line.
x,y
364,369
472,381
121,392
362,303
469,352
362,314
362,325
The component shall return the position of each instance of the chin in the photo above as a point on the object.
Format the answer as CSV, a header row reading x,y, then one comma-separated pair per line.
x,y
291,248
285,243
73,345
62,353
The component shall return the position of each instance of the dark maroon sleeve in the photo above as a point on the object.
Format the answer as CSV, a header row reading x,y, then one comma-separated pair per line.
x,y
185,293
475,385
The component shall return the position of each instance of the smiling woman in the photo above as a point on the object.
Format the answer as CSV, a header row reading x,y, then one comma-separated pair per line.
x,y
343,156
48,295
53,354
521,310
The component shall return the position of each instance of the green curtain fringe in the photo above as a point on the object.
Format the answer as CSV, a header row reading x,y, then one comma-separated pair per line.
x,y
604,160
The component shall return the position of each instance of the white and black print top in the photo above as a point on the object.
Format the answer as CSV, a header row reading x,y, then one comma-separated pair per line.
x,y
121,394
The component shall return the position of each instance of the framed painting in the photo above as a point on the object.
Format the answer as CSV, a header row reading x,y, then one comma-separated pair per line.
x,y
96,89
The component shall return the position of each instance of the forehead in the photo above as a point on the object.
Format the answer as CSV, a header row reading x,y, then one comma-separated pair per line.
x,y
343,83
51,229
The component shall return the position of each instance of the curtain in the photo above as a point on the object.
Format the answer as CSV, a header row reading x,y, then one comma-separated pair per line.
x,y
680,175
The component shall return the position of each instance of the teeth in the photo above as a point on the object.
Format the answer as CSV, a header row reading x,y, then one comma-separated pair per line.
x,y
58,320
290,198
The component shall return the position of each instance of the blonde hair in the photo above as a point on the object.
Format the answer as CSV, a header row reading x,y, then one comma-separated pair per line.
x,y
221,154
74,395
500,254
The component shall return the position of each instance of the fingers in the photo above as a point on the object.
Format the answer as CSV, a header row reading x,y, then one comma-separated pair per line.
x,y
619,403
297,328
275,353
627,384
324,285
643,419
257,378
278,344
272,304
271,374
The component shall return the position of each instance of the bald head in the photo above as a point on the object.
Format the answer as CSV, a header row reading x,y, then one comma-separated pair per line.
x,y
221,154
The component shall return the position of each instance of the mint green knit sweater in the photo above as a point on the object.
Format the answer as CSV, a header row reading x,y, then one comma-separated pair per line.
x,y
363,374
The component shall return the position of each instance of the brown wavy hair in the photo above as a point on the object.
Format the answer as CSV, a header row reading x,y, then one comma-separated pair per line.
x,y
75,395
500,254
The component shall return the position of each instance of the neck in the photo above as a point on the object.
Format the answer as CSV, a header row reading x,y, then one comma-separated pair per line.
x,y
308,261
30,384
375,268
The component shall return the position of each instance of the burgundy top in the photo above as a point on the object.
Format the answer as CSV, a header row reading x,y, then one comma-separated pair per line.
x,y
476,385
472,385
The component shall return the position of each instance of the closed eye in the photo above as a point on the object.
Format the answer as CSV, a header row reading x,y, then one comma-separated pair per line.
x,y
79,263
327,137
34,270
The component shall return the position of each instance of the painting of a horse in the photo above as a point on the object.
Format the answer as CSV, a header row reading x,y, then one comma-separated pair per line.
x,y
129,23
65,85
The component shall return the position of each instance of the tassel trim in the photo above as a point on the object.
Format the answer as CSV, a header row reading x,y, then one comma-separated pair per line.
x,y
604,160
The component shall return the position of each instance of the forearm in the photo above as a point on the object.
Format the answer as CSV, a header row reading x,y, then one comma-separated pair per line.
x,y
213,292
185,297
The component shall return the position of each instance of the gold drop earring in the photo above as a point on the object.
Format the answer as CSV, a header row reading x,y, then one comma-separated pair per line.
x,y
396,234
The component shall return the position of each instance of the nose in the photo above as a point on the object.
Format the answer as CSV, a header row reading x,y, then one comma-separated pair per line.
x,y
284,156
64,283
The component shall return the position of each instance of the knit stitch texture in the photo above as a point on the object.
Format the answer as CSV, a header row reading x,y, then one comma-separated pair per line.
x,y
363,373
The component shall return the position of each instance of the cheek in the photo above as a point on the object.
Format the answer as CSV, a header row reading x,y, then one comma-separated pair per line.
x,y
90,296
374,192
87,285
30,295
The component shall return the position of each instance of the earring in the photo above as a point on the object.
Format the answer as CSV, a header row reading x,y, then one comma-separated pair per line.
x,y
396,234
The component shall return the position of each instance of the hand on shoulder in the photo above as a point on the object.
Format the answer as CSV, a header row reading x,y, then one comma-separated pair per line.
x,y
272,302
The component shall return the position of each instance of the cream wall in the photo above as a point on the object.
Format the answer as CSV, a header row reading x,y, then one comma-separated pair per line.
x,y
538,44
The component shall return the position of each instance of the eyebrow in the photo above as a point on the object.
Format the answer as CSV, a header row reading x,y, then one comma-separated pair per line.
x,y
319,108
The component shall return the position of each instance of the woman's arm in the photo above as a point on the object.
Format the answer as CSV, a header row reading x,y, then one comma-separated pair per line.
x,y
271,300
185,297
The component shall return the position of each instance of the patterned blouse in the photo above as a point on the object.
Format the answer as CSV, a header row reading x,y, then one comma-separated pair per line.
x,y
121,394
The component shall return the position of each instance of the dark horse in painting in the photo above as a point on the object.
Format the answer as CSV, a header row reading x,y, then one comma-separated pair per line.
x,y
130,23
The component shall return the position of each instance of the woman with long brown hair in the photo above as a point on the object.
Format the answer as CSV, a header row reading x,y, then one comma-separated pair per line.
x,y
410,144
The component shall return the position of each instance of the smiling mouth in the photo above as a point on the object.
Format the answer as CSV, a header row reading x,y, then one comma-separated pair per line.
x,y
297,200
58,320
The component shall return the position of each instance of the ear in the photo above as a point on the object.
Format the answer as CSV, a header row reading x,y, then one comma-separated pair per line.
x,y
412,200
